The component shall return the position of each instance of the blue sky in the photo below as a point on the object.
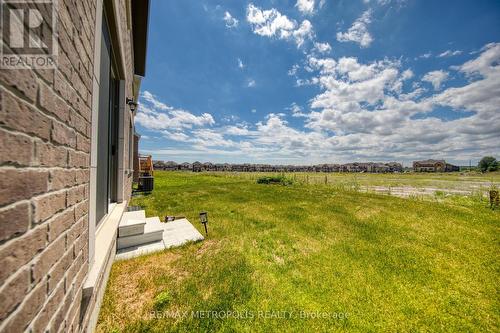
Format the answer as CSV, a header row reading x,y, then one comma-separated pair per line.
x,y
303,82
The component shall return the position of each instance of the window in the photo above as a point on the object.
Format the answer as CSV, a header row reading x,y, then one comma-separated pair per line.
x,y
131,146
107,129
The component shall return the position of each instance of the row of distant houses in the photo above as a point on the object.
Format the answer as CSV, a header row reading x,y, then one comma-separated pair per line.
x,y
369,167
246,167
434,166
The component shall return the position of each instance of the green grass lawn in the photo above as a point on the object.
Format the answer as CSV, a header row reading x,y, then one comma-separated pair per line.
x,y
365,262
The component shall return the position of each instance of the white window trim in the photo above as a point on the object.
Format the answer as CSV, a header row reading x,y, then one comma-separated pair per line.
x,y
94,229
93,141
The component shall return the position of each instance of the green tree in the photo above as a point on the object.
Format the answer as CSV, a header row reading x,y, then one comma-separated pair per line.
x,y
488,163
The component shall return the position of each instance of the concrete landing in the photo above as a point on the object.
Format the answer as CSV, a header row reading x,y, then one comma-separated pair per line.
x,y
175,233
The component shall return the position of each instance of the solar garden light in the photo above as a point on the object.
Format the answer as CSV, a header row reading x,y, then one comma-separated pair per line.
x,y
204,220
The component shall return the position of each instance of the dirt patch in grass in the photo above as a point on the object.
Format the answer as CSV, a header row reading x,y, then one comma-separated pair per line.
x,y
135,284
208,245
279,260
367,212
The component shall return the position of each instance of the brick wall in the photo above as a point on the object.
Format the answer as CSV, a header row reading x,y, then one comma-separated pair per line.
x,y
45,134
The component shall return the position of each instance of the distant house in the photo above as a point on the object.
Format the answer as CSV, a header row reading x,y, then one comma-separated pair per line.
x,y
378,168
395,167
186,166
355,167
326,168
197,166
159,165
207,166
171,166
434,166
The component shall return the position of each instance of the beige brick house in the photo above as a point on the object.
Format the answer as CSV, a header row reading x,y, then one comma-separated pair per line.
x,y
66,147
434,166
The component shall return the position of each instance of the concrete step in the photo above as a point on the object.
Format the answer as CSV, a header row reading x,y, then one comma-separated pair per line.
x,y
132,223
131,228
153,232
134,215
175,234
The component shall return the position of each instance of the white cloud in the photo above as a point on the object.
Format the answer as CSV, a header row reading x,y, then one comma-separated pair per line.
x,y
407,74
231,22
305,82
351,89
322,47
481,95
230,118
210,138
241,65
276,135
358,32
449,53
485,63
305,6
424,56
156,115
325,65
293,71
436,78
237,130
304,31
176,136
296,110
271,23
387,2
146,95
412,95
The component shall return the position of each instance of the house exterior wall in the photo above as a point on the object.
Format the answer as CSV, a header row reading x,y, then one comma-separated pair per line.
x,y
46,140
